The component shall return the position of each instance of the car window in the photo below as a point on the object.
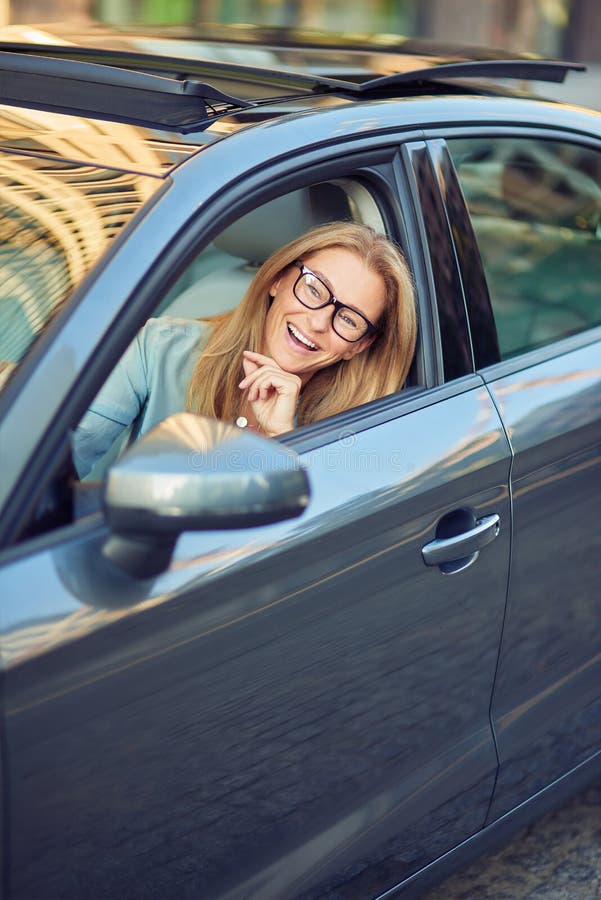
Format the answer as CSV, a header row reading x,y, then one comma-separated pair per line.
x,y
56,221
213,283
535,206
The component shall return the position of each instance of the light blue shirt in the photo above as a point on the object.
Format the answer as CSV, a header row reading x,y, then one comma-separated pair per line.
x,y
149,383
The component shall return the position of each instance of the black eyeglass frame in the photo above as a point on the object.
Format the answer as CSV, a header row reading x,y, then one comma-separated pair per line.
x,y
305,270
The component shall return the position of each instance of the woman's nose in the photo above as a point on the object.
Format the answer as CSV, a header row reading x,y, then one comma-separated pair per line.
x,y
320,319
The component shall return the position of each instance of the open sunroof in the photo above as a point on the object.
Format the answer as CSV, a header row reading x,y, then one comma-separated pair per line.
x,y
88,89
121,85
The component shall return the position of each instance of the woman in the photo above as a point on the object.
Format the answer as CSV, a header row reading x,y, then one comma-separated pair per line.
x,y
327,323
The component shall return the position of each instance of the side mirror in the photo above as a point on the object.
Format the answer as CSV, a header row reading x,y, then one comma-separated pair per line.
x,y
192,473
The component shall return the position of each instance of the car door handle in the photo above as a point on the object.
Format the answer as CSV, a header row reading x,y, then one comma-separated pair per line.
x,y
466,545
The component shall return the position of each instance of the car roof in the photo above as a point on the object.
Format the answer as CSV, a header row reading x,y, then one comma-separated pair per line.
x,y
176,90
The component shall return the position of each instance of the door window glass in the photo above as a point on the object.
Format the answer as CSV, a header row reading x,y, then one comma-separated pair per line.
x,y
536,210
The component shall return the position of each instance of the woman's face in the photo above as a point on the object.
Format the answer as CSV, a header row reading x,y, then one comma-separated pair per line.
x,y
302,340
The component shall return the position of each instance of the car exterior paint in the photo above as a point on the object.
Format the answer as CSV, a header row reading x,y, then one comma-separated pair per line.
x,y
337,642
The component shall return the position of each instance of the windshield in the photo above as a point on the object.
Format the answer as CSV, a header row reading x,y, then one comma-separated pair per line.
x,y
56,220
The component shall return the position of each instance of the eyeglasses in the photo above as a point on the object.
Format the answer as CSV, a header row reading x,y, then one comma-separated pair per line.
x,y
348,324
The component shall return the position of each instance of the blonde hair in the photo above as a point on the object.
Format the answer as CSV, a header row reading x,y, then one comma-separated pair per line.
x,y
378,370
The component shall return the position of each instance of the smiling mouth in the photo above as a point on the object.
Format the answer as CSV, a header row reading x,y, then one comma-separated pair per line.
x,y
300,338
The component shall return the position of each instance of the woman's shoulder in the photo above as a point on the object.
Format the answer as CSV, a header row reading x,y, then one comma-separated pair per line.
x,y
168,349
170,327
165,331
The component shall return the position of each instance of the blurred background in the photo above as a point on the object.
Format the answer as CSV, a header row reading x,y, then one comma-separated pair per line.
x,y
569,29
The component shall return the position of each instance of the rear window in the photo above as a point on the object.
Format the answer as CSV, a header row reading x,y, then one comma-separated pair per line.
x,y
535,205
56,221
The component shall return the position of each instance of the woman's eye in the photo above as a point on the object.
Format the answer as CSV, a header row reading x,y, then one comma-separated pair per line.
x,y
313,287
348,319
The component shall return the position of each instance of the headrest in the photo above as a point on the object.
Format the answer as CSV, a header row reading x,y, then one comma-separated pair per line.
x,y
542,188
258,234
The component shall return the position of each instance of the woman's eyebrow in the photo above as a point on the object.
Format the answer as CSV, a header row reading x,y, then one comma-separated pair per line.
x,y
328,284
325,280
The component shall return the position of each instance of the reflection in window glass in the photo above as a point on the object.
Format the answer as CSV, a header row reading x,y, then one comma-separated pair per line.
x,y
56,221
536,211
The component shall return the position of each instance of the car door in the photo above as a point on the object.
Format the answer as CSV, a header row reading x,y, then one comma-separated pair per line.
x,y
535,205
288,709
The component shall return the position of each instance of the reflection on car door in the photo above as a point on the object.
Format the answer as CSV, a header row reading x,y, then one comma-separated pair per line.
x,y
292,708
547,703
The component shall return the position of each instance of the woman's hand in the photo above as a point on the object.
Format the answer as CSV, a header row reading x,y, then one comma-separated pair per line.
x,y
271,392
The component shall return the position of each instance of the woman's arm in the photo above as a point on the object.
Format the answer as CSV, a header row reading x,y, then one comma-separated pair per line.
x,y
118,404
149,383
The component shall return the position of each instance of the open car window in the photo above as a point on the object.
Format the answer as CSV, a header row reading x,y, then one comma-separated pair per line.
x,y
213,283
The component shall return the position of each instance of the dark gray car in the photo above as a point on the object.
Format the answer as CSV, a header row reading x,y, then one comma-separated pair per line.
x,y
359,654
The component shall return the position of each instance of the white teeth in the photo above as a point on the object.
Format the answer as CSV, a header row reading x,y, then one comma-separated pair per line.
x,y
300,337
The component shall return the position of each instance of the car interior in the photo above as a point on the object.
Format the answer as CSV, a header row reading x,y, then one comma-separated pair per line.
x,y
219,276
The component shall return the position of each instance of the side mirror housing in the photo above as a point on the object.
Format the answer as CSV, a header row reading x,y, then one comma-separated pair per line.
x,y
192,473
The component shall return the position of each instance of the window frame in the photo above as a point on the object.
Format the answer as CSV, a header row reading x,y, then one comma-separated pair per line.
x,y
374,162
454,354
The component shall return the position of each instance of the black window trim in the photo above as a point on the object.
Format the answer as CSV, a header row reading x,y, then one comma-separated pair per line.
x,y
480,317
455,355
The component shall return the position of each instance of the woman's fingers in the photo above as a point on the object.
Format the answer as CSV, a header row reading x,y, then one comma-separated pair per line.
x,y
249,365
266,379
271,391
257,358
253,363
256,363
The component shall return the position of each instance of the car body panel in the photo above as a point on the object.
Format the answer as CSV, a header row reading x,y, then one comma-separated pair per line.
x,y
281,690
548,689
547,697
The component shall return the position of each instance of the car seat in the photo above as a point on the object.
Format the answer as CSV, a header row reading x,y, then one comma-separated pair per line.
x,y
219,277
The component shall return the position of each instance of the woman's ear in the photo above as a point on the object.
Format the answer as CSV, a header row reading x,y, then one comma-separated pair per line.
x,y
359,346
274,287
